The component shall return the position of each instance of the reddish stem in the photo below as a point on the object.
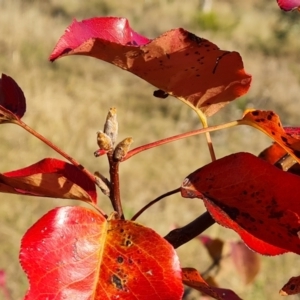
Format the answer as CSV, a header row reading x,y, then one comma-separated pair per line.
x,y
63,154
153,202
178,137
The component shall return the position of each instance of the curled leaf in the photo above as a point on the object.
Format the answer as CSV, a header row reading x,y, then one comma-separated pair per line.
x,y
12,98
178,63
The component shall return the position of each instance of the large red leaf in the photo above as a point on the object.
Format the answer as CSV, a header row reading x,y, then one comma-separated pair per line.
x,y
50,178
177,62
11,96
257,200
192,278
288,5
75,253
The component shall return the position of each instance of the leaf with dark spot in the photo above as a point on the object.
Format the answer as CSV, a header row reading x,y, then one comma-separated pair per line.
x,y
269,123
75,253
178,62
248,195
292,287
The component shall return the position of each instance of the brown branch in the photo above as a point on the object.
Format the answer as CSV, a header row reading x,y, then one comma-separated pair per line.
x,y
114,195
180,236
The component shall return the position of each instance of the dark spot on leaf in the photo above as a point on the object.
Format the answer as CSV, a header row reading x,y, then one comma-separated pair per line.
x,y
117,282
273,133
284,139
255,113
275,214
187,54
168,55
292,287
128,243
120,259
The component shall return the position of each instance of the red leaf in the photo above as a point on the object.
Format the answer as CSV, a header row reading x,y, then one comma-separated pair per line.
x,y
288,5
75,253
11,96
50,178
177,62
252,197
246,262
292,287
192,278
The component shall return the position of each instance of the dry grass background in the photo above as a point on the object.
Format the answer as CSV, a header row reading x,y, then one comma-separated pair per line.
x,y
67,102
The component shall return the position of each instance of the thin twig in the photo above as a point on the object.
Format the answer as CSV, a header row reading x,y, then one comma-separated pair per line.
x,y
180,236
177,138
153,202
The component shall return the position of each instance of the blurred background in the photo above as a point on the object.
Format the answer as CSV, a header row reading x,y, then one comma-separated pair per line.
x,y
67,102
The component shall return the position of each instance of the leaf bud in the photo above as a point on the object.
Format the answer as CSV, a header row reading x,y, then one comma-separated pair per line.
x,y
111,125
122,148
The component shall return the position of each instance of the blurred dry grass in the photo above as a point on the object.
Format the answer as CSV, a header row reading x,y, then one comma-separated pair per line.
x,y
68,101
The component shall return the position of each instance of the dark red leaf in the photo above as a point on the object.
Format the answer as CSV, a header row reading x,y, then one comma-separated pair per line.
x,y
11,96
192,278
75,253
252,197
292,287
246,262
288,5
177,62
50,178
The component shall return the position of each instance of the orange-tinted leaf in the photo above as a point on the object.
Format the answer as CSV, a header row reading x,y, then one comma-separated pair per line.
x,y
292,287
213,246
75,253
269,123
11,96
246,262
252,197
50,178
192,278
275,153
177,62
